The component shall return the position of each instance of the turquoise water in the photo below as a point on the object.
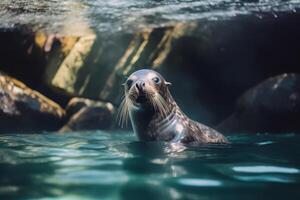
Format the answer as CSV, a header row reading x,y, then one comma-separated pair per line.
x,y
103,165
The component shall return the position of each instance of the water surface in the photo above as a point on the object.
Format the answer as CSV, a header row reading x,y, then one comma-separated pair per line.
x,y
104,165
131,15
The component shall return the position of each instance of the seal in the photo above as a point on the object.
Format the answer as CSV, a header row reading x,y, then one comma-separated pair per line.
x,y
154,114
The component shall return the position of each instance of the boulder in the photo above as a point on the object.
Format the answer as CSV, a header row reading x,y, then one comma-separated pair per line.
x,y
86,114
272,106
23,109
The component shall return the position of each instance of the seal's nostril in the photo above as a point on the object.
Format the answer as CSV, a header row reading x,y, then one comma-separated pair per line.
x,y
140,85
137,86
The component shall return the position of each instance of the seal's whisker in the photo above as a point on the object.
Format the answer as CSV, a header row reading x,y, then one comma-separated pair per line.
x,y
123,112
157,106
160,104
120,113
153,102
164,105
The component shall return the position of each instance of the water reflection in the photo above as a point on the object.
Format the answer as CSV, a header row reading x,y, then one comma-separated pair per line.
x,y
266,169
200,182
128,15
266,178
93,165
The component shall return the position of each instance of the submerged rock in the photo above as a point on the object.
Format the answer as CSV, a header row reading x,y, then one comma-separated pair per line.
x,y
23,109
86,114
271,106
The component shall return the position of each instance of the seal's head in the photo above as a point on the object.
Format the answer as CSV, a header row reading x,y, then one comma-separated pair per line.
x,y
143,86
144,89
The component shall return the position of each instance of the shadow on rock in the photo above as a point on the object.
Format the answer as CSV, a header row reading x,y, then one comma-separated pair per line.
x,y
271,106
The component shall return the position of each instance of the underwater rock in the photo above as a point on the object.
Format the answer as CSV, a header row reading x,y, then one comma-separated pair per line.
x,y
271,106
86,114
23,109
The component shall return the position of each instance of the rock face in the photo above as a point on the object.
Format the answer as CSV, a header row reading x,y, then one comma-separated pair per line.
x,y
86,114
214,61
42,59
271,106
22,108
210,63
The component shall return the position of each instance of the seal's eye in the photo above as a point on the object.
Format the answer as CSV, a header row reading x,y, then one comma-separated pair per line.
x,y
156,80
129,83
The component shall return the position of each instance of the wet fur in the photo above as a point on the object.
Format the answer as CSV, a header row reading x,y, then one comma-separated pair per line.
x,y
160,118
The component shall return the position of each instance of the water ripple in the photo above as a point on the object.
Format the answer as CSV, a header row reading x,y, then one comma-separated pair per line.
x,y
129,15
265,178
100,165
199,182
266,169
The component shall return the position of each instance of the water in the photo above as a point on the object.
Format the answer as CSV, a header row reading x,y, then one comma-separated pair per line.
x,y
102,165
131,15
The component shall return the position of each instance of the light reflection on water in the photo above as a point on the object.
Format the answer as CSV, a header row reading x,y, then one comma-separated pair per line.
x,y
200,182
130,15
266,169
100,165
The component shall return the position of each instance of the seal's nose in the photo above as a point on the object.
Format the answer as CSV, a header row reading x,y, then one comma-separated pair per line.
x,y
140,85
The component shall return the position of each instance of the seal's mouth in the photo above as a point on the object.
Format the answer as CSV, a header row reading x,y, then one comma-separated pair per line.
x,y
141,99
